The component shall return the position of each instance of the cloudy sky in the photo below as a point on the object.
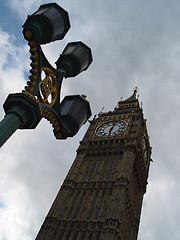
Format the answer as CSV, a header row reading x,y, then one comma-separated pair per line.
x,y
134,43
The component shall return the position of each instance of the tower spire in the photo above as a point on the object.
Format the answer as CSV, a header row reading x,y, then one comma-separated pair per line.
x,y
131,102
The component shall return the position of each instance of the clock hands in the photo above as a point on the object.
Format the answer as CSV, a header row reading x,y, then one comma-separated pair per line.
x,y
110,130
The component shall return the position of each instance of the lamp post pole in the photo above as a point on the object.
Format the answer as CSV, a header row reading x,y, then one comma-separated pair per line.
x,y
8,126
41,96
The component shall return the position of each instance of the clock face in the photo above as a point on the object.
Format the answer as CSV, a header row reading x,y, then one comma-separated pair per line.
x,y
111,129
145,149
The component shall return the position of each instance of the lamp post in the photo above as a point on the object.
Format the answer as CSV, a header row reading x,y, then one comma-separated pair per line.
x,y
41,96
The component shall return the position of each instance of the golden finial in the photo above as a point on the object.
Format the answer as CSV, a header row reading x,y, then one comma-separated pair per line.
x,y
84,96
135,89
102,110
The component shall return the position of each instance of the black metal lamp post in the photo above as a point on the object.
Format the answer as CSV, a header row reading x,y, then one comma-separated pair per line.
x,y
41,97
49,23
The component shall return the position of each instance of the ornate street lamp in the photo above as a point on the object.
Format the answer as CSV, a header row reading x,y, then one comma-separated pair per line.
x,y
41,96
49,23
75,58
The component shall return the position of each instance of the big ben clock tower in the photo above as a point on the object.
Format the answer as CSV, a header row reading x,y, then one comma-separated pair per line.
x,y
101,197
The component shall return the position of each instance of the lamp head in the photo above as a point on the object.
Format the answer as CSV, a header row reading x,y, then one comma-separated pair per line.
x,y
75,58
75,111
49,23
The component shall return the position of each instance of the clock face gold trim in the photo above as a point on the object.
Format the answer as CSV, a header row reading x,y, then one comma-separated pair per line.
x,y
111,128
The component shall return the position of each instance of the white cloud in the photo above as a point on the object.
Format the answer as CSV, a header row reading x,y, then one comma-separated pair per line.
x,y
21,7
14,195
13,65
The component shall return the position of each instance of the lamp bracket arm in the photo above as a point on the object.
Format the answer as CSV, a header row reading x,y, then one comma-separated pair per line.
x,y
55,119
45,81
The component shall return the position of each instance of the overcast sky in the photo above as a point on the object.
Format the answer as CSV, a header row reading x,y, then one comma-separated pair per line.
x,y
134,43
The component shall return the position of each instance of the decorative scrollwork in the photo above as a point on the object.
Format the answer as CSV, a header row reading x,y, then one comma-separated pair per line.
x,y
51,118
42,87
30,84
48,87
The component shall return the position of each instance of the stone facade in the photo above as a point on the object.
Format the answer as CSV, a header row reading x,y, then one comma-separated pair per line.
x,y
101,197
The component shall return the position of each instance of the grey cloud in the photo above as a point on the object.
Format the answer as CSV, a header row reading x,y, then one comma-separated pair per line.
x,y
134,43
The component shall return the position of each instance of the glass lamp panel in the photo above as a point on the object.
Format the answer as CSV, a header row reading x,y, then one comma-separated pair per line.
x,y
75,108
66,106
69,50
56,19
79,112
83,57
